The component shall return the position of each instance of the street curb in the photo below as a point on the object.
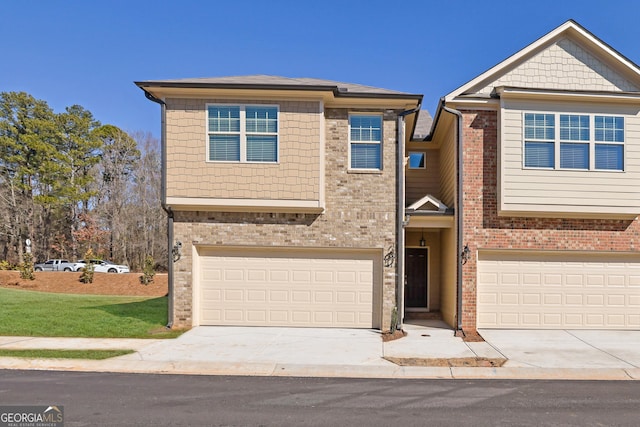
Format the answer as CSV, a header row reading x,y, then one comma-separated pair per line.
x,y
320,371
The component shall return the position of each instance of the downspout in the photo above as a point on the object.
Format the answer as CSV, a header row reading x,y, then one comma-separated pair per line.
x,y
459,216
163,198
400,216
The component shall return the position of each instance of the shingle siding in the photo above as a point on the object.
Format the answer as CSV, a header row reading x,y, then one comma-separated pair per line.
x,y
564,65
296,176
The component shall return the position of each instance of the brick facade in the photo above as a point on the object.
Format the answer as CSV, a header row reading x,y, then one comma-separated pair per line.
x,y
484,229
359,214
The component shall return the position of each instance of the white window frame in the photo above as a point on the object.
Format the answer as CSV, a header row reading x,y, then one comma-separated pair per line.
x,y
591,142
243,132
424,157
350,142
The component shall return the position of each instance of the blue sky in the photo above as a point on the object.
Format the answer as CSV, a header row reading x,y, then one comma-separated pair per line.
x,y
90,52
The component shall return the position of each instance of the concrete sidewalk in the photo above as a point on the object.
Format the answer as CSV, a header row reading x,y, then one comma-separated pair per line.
x,y
356,353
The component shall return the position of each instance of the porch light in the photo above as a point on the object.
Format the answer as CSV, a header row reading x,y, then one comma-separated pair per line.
x,y
423,242
465,255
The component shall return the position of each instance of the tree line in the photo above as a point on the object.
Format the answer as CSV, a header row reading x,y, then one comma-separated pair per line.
x,y
69,184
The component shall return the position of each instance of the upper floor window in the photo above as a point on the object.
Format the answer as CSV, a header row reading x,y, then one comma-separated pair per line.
x,y
573,141
417,160
242,133
365,141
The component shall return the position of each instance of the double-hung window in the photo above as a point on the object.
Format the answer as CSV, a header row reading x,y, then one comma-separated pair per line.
x,y
365,141
539,135
609,145
242,133
573,141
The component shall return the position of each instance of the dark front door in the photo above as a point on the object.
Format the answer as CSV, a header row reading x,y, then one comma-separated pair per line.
x,y
415,293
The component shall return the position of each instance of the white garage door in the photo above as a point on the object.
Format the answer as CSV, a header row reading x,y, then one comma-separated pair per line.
x,y
558,291
273,287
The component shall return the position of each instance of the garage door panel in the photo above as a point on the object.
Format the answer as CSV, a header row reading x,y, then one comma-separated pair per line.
x,y
278,288
278,316
256,295
256,315
278,275
552,280
278,296
256,275
531,291
552,320
552,299
324,277
323,297
616,280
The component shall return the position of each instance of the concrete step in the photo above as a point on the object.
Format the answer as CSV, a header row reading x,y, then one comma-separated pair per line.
x,y
422,315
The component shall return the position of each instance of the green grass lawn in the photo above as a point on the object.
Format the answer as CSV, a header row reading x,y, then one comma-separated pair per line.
x,y
41,314
64,354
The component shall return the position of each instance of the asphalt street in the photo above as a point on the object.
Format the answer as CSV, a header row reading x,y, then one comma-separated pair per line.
x,y
103,399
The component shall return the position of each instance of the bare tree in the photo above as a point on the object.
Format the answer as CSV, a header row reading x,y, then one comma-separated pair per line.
x,y
70,184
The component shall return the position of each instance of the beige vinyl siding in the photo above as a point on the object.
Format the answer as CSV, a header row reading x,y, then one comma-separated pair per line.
x,y
420,182
448,276
448,166
569,192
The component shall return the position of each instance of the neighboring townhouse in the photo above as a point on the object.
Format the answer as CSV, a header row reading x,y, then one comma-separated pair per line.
x,y
283,195
548,145
306,202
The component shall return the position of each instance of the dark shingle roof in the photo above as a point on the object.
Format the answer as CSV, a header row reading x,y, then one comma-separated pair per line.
x,y
423,125
275,82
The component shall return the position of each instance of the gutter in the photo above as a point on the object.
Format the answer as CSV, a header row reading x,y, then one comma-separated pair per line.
x,y
458,213
400,216
165,207
338,91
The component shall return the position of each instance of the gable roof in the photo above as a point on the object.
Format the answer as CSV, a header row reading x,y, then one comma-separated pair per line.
x,y
571,30
427,200
260,81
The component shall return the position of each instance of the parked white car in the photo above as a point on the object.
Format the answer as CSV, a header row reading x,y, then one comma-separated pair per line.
x,y
57,265
104,266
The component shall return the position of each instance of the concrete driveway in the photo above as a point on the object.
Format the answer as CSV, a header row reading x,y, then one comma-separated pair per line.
x,y
268,345
302,352
364,347
566,348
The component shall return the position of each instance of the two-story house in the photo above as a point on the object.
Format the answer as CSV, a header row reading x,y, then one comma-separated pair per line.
x,y
283,194
546,152
305,202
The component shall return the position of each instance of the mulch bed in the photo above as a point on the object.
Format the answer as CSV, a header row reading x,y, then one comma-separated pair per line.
x,y
460,362
390,336
127,284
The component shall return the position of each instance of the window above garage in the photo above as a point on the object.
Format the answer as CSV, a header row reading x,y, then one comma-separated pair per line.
x,y
242,133
573,141
564,156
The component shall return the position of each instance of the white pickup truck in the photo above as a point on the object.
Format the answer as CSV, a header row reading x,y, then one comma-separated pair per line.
x,y
58,265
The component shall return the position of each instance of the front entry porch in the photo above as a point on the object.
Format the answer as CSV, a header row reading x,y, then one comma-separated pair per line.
x,y
429,263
